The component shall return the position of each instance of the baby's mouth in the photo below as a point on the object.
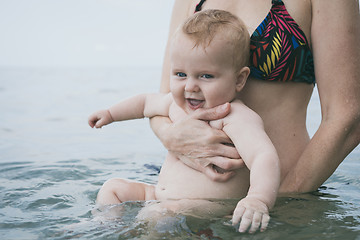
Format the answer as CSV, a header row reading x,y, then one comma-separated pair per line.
x,y
195,103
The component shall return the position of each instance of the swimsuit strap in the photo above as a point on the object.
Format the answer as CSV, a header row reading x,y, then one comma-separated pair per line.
x,y
277,2
198,7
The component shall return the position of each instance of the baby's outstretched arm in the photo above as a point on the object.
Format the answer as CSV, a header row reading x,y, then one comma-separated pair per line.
x,y
140,106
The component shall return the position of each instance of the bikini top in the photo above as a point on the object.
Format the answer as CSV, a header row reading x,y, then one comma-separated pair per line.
x,y
279,50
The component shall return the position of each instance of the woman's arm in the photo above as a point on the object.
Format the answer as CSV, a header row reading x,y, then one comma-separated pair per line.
x,y
335,34
179,14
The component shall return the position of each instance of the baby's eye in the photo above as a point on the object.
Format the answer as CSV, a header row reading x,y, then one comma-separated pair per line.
x,y
180,74
207,76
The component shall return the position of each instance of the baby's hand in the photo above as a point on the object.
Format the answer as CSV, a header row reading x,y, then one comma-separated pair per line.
x,y
100,118
251,212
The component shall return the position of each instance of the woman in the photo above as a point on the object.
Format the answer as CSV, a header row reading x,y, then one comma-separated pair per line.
x,y
321,41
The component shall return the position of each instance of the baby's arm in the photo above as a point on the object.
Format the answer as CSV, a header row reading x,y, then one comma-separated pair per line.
x,y
260,156
140,106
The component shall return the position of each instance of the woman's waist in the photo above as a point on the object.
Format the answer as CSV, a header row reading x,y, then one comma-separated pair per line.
x,y
282,107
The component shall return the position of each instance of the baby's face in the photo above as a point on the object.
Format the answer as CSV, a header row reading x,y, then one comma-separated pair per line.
x,y
201,77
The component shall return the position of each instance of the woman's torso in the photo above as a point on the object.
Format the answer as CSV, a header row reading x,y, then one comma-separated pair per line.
x,y
282,106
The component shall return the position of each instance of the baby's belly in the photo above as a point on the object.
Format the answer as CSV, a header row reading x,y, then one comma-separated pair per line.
x,y
178,181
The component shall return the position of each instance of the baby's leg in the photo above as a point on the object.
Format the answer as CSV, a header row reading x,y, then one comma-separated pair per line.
x,y
119,190
198,208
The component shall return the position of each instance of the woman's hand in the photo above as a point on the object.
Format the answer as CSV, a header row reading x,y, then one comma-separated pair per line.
x,y
219,169
199,146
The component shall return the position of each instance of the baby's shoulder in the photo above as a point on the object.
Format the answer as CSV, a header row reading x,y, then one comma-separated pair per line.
x,y
240,113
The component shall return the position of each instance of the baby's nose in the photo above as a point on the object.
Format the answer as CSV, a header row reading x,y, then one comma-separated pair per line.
x,y
191,85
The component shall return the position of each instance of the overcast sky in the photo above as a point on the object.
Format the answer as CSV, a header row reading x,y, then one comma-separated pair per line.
x,y
83,32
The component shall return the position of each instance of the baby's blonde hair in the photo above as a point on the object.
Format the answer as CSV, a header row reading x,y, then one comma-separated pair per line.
x,y
203,26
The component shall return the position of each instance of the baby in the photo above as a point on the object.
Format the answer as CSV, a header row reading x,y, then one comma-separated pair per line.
x,y
209,55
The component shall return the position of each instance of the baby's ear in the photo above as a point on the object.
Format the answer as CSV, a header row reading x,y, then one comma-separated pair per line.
x,y
242,76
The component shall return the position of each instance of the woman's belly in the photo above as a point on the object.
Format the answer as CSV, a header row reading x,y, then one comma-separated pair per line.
x,y
178,181
283,108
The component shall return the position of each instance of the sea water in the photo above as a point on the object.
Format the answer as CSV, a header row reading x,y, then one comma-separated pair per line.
x,y
52,165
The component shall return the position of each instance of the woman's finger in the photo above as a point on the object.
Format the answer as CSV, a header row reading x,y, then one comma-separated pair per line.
x,y
227,164
210,114
216,176
225,150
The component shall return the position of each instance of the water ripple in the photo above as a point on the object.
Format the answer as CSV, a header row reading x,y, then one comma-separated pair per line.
x,y
53,202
